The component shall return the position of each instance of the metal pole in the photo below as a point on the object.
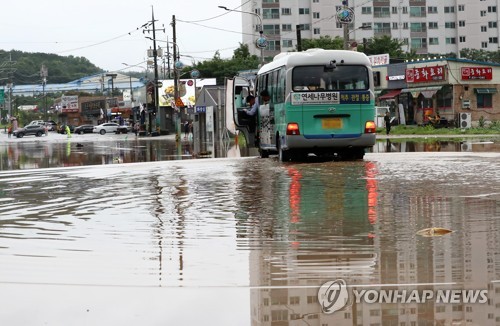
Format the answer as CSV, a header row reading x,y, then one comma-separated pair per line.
x,y
176,81
346,36
156,73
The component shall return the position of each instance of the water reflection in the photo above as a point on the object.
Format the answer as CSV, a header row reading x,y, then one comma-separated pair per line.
x,y
276,230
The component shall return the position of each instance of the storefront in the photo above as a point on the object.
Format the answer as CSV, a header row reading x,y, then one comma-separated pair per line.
x,y
444,87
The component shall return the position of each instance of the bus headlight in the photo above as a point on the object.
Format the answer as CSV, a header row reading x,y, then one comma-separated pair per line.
x,y
370,127
292,129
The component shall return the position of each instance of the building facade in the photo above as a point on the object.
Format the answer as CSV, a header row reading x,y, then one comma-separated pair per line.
x,y
462,91
427,27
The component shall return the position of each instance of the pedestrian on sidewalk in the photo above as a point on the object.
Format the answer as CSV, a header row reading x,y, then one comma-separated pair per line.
x,y
387,121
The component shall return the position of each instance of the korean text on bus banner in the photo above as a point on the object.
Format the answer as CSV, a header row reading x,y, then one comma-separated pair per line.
x,y
331,98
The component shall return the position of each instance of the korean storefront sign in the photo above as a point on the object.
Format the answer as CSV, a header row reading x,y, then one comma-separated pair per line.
x,y
425,74
471,73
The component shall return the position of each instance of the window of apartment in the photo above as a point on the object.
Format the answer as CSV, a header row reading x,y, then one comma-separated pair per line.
x,y
303,11
273,45
286,27
433,41
315,1
405,10
484,29
294,300
270,1
366,10
405,41
287,43
451,40
461,23
316,31
286,11
269,13
461,7
449,10
417,11
279,315
484,45
405,25
433,25
492,24
418,43
394,10
461,39
366,26
382,28
316,15
417,27
432,10
381,12
394,25
493,40
271,29
484,101
482,13
449,25
492,9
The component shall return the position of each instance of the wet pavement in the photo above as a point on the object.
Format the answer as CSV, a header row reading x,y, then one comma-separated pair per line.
x,y
249,241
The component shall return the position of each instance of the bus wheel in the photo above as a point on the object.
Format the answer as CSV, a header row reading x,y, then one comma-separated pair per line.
x,y
263,153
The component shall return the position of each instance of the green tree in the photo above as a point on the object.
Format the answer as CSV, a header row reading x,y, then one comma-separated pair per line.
x,y
383,44
323,42
221,68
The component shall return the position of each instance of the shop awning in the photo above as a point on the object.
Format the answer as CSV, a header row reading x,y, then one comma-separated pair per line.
x,y
391,94
485,90
427,92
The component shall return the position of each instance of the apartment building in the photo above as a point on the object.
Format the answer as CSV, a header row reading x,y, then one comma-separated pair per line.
x,y
428,27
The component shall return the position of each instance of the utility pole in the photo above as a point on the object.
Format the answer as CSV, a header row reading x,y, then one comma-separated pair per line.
x,y
154,54
44,72
298,27
176,82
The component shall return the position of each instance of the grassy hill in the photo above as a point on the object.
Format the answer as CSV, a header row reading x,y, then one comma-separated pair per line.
x,y
23,68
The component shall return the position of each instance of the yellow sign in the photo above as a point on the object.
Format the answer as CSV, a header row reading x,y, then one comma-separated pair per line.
x,y
178,102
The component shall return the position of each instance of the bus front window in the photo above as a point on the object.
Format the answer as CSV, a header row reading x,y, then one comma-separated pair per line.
x,y
343,77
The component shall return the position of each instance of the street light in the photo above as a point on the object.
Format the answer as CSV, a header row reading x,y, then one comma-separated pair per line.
x,y
261,42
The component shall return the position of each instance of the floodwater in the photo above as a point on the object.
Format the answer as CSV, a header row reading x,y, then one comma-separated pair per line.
x,y
249,241
60,151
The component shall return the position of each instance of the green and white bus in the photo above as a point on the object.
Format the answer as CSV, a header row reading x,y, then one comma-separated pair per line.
x,y
322,102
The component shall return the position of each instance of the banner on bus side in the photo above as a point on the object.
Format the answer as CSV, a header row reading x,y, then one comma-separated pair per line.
x,y
330,98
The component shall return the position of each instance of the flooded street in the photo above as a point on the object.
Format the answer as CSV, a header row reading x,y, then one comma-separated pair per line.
x,y
249,241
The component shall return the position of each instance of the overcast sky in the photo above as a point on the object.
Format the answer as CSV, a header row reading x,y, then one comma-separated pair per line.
x,y
99,29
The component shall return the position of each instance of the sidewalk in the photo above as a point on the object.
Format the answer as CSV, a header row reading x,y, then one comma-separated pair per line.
x,y
390,136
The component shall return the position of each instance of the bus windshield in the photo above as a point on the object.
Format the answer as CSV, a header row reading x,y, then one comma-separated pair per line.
x,y
321,78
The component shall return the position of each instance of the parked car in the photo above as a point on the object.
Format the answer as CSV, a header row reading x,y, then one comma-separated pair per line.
x,y
36,130
62,129
84,129
123,129
51,125
106,127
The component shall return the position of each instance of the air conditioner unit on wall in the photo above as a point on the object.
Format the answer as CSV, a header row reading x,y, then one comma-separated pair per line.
x,y
465,120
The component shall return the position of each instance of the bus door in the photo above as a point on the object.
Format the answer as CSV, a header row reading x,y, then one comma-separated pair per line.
x,y
237,89
266,127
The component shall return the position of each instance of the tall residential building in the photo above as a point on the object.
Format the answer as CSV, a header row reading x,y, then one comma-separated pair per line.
x,y
428,27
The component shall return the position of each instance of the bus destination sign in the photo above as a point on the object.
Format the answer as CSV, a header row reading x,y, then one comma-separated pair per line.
x,y
330,98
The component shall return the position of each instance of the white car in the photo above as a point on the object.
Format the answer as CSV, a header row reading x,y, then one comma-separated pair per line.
x,y
106,127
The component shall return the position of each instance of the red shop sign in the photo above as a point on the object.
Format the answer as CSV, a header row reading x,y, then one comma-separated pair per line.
x,y
484,73
425,74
